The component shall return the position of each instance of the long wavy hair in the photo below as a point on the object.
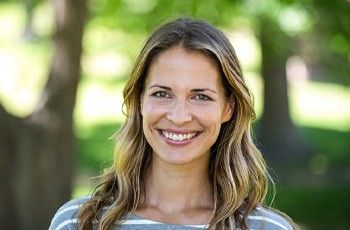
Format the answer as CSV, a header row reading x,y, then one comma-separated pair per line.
x,y
237,169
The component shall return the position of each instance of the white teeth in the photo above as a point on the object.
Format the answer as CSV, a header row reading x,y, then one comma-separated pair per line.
x,y
178,137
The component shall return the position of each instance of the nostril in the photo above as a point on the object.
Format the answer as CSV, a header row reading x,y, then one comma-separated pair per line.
x,y
179,116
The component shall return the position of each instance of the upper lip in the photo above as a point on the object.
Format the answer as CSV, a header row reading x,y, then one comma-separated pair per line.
x,y
177,131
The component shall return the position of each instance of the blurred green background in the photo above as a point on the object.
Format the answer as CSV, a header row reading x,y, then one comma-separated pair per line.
x,y
315,196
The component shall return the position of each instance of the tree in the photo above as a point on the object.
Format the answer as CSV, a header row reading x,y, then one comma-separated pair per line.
x,y
324,46
280,138
37,152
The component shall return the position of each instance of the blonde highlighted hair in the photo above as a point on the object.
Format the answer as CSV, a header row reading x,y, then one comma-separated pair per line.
x,y
237,169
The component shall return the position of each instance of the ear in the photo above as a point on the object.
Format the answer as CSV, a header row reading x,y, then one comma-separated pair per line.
x,y
229,109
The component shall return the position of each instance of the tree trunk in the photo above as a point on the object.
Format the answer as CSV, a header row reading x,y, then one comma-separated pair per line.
x,y
281,142
37,152
8,126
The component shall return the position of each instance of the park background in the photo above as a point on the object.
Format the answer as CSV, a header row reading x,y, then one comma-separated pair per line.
x,y
295,56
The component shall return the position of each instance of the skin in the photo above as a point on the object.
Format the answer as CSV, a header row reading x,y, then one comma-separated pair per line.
x,y
183,97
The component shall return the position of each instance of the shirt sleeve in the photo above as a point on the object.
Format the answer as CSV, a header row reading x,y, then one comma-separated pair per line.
x,y
66,216
263,218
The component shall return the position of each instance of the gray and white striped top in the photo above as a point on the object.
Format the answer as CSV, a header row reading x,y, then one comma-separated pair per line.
x,y
66,219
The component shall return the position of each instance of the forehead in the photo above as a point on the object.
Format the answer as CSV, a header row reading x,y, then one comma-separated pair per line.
x,y
187,66
191,54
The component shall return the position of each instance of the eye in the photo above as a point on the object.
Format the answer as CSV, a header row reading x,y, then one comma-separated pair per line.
x,y
202,97
161,94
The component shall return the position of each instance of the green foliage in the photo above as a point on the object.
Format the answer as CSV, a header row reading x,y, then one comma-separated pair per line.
x,y
143,15
95,146
330,37
333,145
316,30
325,207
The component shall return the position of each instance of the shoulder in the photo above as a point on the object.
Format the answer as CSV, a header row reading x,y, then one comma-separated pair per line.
x,y
264,218
66,216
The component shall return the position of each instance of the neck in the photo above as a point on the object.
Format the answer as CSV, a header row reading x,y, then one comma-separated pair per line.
x,y
172,189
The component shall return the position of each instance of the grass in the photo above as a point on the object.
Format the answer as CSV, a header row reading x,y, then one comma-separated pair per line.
x,y
95,147
316,208
334,145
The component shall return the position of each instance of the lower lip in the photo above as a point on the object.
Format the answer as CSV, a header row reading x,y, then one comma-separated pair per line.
x,y
177,143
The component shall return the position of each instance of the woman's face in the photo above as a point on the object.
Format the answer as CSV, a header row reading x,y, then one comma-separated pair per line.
x,y
183,106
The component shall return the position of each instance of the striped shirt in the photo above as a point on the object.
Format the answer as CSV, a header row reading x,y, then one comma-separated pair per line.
x,y
66,219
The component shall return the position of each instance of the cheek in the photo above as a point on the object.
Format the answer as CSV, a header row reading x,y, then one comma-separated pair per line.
x,y
209,113
151,112
210,118
213,119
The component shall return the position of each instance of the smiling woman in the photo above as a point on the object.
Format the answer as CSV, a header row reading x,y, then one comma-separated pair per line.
x,y
184,157
183,106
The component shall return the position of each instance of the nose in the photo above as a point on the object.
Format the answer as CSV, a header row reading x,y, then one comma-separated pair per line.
x,y
180,113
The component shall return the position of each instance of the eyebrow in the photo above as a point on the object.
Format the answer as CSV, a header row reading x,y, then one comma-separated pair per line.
x,y
192,90
160,86
203,89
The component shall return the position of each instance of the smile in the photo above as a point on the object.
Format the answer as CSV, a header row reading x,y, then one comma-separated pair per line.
x,y
178,137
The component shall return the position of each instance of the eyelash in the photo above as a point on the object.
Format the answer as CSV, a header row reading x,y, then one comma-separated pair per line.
x,y
204,97
162,94
158,94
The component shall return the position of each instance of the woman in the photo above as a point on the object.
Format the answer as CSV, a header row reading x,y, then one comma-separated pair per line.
x,y
184,157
